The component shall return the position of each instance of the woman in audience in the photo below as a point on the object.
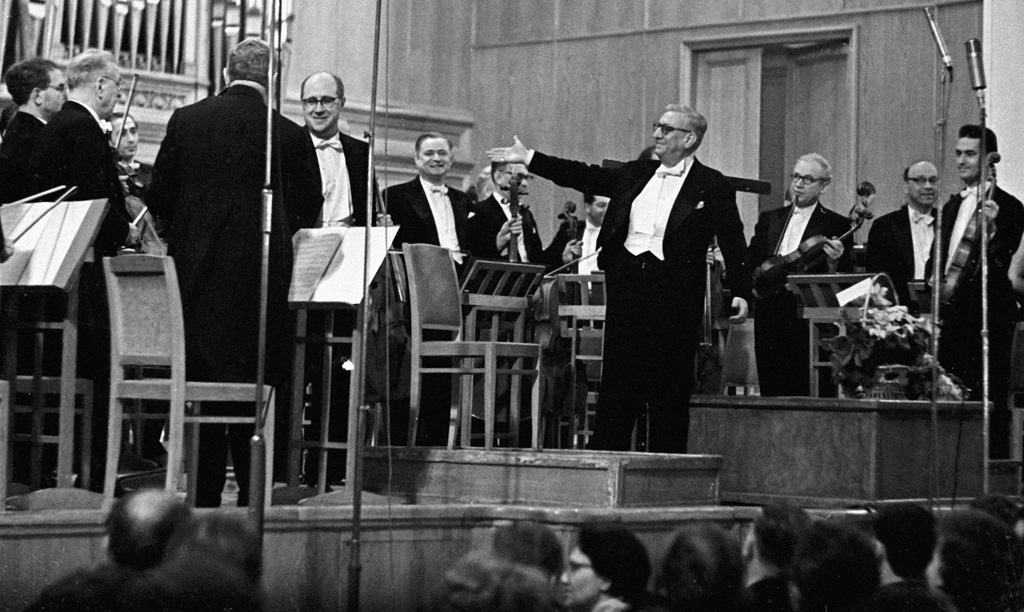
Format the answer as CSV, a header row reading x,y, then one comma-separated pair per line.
x,y
482,583
530,544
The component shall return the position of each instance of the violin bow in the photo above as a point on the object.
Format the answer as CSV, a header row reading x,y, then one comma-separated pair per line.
x,y
127,109
63,197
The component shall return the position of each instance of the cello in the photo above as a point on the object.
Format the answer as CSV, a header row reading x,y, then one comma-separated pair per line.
x,y
771,275
513,206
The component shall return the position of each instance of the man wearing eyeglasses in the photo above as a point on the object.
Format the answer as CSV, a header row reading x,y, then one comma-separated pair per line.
x,y
900,243
344,160
207,184
491,227
661,218
39,89
781,337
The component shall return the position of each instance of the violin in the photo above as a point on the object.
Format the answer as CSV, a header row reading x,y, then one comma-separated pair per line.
x,y
967,255
513,206
708,362
771,275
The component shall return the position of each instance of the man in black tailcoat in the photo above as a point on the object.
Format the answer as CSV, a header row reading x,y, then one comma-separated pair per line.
x,y
660,221
39,89
960,343
780,336
491,226
207,184
900,243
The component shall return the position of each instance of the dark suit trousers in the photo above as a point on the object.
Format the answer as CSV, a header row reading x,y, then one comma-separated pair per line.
x,y
780,347
650,343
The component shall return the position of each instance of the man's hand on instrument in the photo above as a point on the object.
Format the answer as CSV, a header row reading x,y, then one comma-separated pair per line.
x,y
516,154
742,309
833,249
384,220
512,226
134,235
991,210
573,250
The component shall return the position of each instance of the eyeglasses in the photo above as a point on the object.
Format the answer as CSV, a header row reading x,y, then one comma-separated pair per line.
x,y
61,88
325,101
668,129
806,180
921,181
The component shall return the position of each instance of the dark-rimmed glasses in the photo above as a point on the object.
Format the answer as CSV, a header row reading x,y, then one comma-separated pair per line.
x,y
668,129
325,101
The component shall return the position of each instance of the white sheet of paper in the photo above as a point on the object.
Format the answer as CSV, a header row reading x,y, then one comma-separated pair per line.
x,y
343,281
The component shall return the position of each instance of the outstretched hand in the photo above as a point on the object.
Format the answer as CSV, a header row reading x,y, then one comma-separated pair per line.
x,y
516,154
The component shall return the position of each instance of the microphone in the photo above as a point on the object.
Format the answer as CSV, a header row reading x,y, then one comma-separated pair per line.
x,y
976,68
947,61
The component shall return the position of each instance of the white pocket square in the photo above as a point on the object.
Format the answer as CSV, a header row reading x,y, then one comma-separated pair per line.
x,y
700,205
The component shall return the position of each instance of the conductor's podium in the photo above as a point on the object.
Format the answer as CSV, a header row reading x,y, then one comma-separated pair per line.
x,y
818,452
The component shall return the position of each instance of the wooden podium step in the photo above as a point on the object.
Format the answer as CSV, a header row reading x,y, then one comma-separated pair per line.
x,y
595,479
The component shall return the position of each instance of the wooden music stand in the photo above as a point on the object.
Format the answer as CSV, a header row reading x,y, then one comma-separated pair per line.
x,y
328,276
821,309
50,242
500,291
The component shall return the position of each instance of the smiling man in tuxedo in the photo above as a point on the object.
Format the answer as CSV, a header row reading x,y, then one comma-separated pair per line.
x,y
661,217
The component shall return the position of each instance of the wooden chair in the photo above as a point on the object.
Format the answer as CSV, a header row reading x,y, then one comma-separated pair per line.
x,y
582,315
147,332
435,306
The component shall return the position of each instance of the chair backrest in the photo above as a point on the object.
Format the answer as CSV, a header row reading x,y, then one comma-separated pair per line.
x,y
433,288
146,322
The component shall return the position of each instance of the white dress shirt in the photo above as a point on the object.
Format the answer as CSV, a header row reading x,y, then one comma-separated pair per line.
x,y
337,188
444,217
923,234
507,209
795,229
963,218
589,265
651,209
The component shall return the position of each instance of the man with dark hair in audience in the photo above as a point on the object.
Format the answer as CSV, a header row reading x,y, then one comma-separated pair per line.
x,y
140,529
531,544
39,89
767,552
834,569
904,541
207,184
973,561
702,569
608,570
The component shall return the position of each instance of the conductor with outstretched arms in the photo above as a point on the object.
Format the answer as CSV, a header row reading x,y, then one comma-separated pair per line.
x,y
661,217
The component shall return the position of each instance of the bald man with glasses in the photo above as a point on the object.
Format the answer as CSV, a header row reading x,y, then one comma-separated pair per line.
x,y
661,217
900,243
781,337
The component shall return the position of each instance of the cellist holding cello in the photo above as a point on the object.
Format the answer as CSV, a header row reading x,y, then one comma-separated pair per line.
x,y
781,337
960,350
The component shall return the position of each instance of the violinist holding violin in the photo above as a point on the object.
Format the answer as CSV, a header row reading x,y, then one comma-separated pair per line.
x,y
781,337
960,346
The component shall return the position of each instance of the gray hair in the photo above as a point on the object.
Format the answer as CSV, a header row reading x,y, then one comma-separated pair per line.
x,y
817,158
88,66
695,119
249,61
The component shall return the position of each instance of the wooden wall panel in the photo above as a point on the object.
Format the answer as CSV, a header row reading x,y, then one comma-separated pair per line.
x,y
577,17
672,13
500,21
772,9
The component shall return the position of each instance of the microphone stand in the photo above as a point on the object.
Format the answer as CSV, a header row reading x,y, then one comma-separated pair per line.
x,y
983,176
356,486
939,135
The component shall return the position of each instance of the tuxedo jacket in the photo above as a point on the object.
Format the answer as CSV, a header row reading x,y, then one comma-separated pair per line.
x,y
207,184
72,150
486,222
772,223
408,206
891,250
705,208
19,139
357,160
1001,247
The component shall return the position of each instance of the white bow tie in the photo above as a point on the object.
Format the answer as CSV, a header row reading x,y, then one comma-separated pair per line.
x,y
664,173
917,217
106,126
333,143
442,190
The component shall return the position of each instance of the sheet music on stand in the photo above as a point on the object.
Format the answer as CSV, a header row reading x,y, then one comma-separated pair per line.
x,y
49,245
328,268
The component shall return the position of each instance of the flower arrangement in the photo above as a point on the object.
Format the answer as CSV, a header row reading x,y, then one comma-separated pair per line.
x,y
884,347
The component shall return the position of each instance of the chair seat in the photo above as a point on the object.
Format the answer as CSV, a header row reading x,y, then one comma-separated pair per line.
x,y
160,389
457,348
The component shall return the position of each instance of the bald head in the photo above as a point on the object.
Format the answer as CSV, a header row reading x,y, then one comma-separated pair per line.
x,y
323,96
140,526
921,184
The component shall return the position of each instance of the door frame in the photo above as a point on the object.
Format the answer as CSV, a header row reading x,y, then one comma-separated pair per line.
x,y
690,45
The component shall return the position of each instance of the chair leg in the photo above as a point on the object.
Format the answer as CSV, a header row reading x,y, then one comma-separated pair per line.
x,y
515,387
114,421
466,404
415,383
535,409
5,436
268,438
85,453
453,410
1016,432
490,390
